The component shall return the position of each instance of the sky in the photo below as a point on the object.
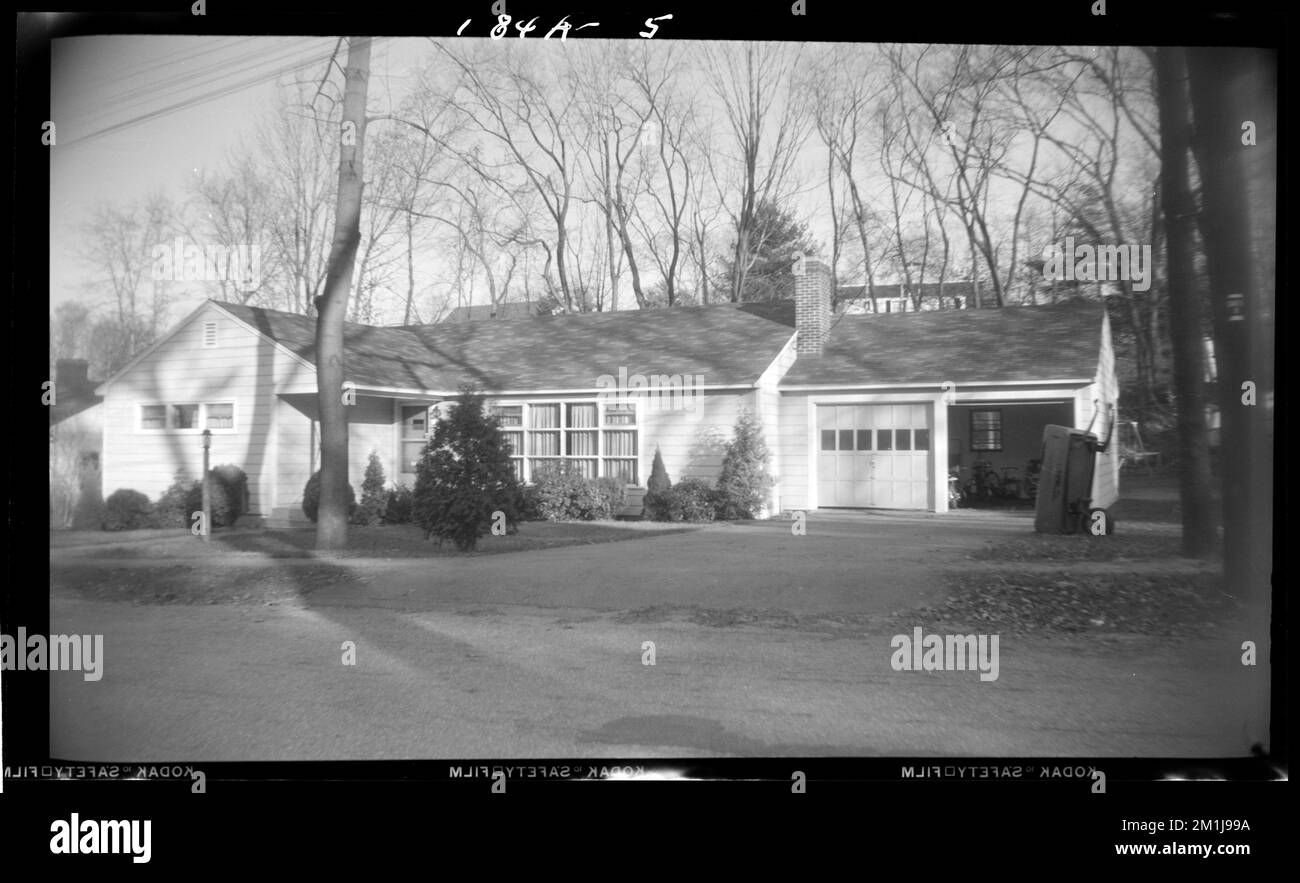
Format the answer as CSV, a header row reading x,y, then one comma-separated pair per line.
x,y
137,115
125,84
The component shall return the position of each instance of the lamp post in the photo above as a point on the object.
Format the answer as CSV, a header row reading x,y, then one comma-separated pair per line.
x,y
207,499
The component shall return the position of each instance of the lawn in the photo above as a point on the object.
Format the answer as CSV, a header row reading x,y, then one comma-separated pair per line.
x,y
1133,581
1122,546
390,541
1077,600
253,566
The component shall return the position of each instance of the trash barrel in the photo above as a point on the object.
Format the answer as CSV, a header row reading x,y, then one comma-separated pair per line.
x,y
1065,483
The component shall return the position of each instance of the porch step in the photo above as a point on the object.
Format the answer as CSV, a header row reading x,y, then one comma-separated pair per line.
x,y
287,516
635,505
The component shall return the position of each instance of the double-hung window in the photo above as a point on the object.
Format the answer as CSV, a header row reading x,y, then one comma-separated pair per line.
x,y
595,439
187,416
986,430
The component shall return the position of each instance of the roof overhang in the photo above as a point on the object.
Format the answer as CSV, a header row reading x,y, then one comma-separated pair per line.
x,y
397,391
939,385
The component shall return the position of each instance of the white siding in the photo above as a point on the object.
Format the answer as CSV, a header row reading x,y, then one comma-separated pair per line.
x,y
244,368
793,451
768,399
370,428
693,442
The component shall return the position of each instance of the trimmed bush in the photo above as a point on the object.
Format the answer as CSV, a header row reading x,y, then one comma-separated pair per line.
x,y
233,494
311,498
173,508
612,493
744,482
658,482
398,509
126,509
465,475
227,490
530,504
691,499
655,502
563,493
373,498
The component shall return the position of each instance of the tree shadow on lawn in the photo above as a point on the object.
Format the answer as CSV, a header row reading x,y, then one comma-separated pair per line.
x,y
408,541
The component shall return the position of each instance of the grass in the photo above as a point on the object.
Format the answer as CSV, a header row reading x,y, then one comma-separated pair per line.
x,y
1121,546
390,541
1020,594
196,584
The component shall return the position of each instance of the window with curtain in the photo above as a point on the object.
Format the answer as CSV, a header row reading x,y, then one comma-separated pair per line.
x,y
594,438
986,430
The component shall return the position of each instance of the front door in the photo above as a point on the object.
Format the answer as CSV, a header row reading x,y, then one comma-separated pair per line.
x,y
873,456
415,429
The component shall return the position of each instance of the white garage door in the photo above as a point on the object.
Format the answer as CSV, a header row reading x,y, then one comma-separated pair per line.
x,y
873,456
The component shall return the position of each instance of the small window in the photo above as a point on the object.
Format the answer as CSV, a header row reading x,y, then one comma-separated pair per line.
x,y
986,430
220,415
509,415
884,439
922,439
209,334
864,439
828,439
153,417
185,416
846,439
620,415
415,421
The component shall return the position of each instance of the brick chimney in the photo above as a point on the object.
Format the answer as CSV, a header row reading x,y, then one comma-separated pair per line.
x,y
71,377
812,307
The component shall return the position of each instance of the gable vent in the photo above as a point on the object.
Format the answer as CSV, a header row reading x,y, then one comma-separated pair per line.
x,y
209,334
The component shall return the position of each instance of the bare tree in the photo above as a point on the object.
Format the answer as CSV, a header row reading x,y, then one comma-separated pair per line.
x,y
754,82
1185,307
844,84
526,122
128,248
670,116
331,306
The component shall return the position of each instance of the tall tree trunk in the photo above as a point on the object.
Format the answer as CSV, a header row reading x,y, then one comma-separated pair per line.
x,y
1226,89
410,267
1185,307
332,306
1153,292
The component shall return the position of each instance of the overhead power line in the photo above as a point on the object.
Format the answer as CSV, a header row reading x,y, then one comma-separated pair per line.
x,y
316,57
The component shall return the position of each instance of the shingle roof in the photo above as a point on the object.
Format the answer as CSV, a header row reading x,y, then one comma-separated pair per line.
x,y
1056,342
479,312
730,344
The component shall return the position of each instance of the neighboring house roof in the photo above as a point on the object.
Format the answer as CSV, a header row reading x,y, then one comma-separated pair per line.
x,y
730,344
74,391
1059,342
71,407
512,310
929,291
